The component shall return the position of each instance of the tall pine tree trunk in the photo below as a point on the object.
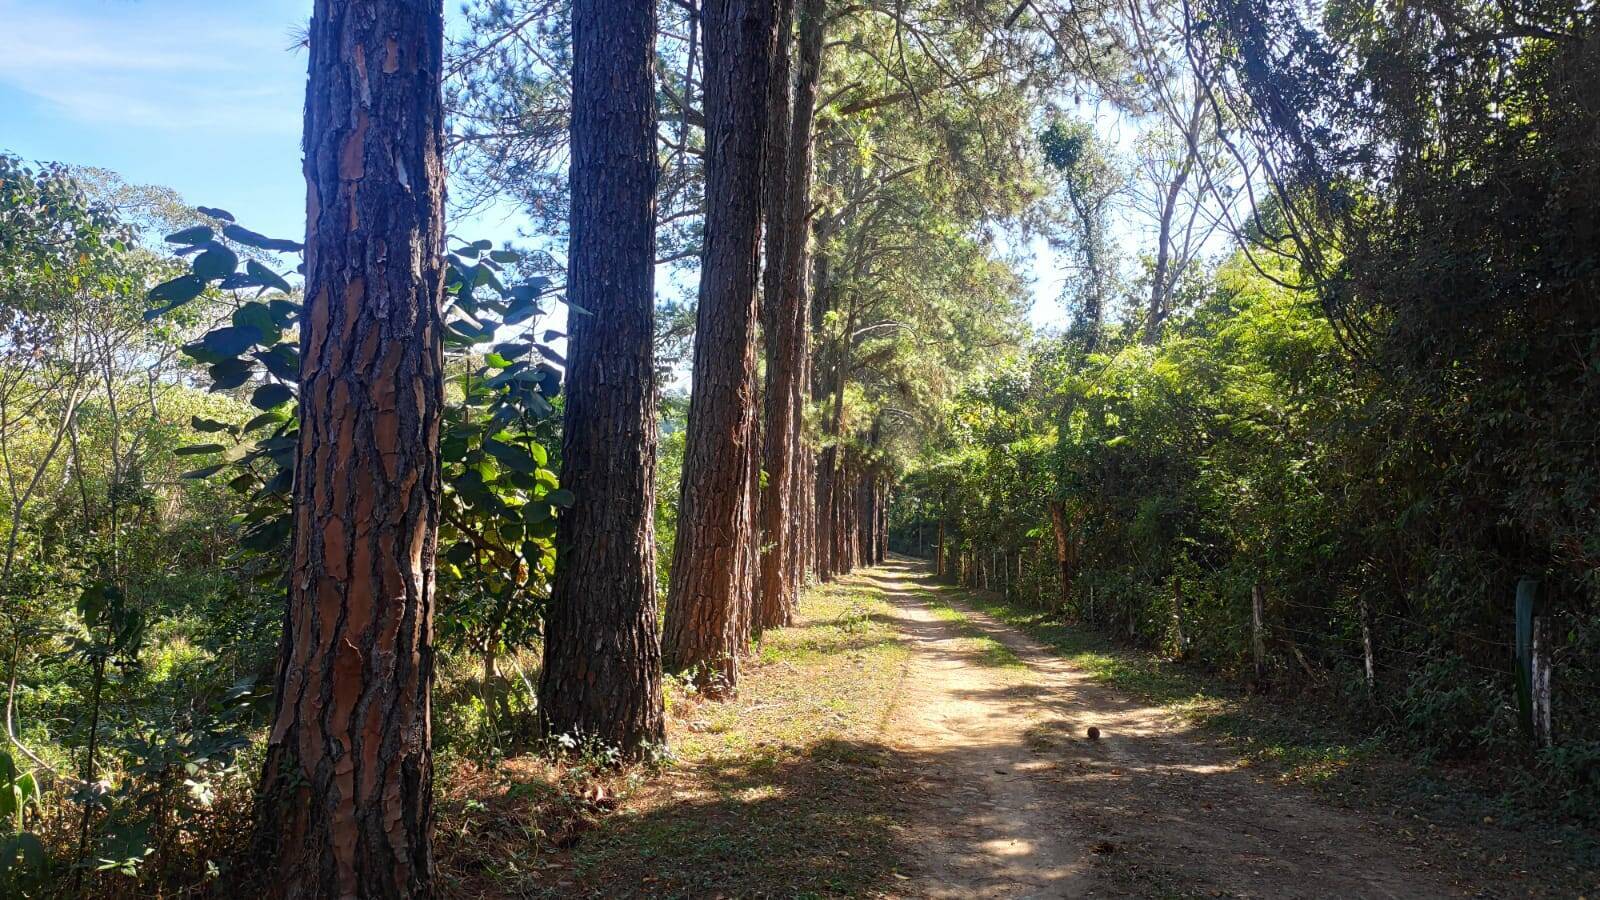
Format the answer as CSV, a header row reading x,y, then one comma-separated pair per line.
x,y
786,320
602,666
776,496
704,602
807,550
345,803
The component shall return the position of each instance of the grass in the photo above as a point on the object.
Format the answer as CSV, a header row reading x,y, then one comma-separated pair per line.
x,y
993,653
786,790
790,790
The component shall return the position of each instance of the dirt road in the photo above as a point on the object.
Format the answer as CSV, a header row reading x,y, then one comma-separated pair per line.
x,y
1012,799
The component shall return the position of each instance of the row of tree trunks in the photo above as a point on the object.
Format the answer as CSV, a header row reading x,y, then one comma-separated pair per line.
x,y
873,527
851,508
786,316
709,598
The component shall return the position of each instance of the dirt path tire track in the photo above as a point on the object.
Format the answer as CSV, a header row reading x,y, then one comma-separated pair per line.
x,y
1010,799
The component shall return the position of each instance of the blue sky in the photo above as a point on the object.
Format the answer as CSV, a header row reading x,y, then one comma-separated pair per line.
x,y
204,98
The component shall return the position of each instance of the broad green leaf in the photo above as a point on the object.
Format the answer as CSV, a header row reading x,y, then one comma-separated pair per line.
x,y
267,276
260,241
198,234
173,294
270,417
271,395
257,315
231,341
27,788
284,311
505,375
198,352
217,262
230,373
487,278
282,361
514,457
521,311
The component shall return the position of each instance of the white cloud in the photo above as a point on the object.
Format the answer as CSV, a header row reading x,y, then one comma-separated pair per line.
x,y
151,65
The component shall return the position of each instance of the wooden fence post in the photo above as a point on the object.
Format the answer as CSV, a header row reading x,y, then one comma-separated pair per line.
x,y
1533,662
1366,648
1177,615
1258,639
1541,680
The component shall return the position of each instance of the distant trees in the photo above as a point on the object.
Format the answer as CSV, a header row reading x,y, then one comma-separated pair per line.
x,y
602,664
1369,416
1090,182
346,792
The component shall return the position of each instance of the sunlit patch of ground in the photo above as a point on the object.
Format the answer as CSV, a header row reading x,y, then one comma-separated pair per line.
x,y
786,790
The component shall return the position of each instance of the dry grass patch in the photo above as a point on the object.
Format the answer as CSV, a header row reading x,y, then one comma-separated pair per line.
x,y
787,790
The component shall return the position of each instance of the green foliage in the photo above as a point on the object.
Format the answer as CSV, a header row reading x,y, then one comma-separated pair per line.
x,y
144,520
669,472
22,855
497,548
1244,449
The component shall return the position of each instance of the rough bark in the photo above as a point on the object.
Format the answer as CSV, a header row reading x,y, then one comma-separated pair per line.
x,y
833,475
846,504
704,602
808,509
786,318
777,495
822,485
865,516
750,555
602,667
345,801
